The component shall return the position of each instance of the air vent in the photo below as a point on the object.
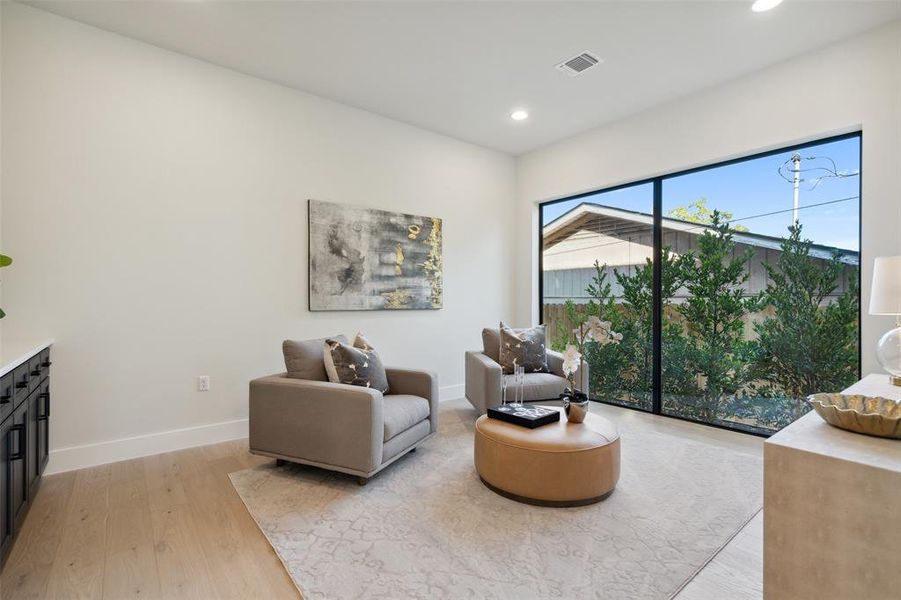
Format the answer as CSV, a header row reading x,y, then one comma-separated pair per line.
x,y
579,64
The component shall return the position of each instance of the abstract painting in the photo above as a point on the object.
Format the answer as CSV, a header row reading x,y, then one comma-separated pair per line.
x,y
368,259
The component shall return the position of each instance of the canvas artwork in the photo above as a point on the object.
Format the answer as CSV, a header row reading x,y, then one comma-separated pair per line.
x,y
367,259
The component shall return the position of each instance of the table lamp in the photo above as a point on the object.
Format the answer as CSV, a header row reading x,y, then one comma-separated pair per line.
x,y
885,299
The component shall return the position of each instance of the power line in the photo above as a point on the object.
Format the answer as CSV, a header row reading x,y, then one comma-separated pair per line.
x,y
704,226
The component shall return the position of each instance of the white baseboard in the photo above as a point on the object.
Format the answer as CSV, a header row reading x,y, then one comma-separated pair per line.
x,y
91,455
451,392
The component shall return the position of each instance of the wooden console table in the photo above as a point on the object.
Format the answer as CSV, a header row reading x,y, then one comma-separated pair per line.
x,y
832,510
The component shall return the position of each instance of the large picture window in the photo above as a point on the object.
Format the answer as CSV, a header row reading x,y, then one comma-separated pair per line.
x,y
735,286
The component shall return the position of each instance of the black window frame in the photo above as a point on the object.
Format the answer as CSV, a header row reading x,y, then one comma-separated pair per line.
x,y
657,315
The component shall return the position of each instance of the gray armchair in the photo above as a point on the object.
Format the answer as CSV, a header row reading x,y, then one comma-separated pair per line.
x,y
345,428
484,376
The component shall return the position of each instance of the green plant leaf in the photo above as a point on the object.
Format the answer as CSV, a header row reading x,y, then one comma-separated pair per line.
x,y
5,261
2,314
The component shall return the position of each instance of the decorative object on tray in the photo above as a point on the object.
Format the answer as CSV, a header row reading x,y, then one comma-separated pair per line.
x,y
869,415
367,259
575,402
885,299
526,416
518,381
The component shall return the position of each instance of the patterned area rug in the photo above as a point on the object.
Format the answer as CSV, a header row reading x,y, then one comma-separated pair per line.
x,y
427,527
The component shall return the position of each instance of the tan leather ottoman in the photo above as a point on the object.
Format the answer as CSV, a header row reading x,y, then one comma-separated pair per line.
x,y
561,464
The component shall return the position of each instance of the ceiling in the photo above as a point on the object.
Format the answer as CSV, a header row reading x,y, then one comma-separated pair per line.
x,y
460,68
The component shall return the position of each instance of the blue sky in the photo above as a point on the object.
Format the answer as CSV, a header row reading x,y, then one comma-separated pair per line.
x,y
754,187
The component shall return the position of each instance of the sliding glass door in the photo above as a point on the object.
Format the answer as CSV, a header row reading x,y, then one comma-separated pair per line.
x,y
735,286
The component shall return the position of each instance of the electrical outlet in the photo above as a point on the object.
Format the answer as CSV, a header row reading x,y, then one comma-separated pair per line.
x,y
203,383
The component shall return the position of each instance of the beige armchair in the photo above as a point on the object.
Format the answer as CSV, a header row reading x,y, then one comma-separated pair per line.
x,y
345,428
484,376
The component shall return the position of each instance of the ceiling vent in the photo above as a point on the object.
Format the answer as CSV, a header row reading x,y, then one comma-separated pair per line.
x,y
579,64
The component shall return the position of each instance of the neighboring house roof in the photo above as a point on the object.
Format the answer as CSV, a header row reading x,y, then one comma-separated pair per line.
x,y
618,222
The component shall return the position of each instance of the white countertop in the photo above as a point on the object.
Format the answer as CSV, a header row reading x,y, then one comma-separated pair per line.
x,y
14,352
812,434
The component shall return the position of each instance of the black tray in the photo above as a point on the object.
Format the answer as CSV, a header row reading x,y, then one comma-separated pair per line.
x,y
525,416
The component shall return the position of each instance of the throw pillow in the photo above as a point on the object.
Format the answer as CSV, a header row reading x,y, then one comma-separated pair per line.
x,y
491,344
356,364
523,348
304,359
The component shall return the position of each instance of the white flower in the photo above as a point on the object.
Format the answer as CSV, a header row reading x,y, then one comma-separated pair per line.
x,y
601,332
571,359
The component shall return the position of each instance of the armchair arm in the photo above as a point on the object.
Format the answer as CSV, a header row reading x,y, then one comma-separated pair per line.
x,y
318,421
555,363
416,383
483,380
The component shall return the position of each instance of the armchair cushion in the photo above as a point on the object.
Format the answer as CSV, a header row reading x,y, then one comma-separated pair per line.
x,y
537,386
304,359
402,411
416,383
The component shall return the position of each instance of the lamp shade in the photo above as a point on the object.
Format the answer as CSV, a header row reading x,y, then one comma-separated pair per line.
x,y
885,295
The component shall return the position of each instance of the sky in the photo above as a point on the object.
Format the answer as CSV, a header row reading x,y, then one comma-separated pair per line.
x,y
752,188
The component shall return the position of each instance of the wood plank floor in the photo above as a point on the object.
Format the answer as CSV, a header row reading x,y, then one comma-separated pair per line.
x,y
736,572
165,526
172,526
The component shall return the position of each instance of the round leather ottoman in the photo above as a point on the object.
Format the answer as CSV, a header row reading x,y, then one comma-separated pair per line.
x,y
560,464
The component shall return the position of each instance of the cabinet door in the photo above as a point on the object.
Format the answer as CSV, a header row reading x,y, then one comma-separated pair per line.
x,y
17,442
42,414
5,522
31,439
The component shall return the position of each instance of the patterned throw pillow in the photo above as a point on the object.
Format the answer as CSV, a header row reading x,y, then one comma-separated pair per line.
x,y
523,348
356,364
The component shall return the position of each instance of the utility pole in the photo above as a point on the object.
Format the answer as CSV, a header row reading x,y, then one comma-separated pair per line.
x,y
796,184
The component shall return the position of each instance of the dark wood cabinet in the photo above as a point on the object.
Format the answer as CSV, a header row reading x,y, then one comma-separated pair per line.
x,y
42,416
6,528
24,441
18,465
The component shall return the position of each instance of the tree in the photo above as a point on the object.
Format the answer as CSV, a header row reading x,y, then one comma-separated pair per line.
x,y
605,362
638,310
809,344
697,212
713,313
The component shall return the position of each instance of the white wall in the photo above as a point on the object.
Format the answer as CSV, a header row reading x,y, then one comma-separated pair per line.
x,y
845,87
156,209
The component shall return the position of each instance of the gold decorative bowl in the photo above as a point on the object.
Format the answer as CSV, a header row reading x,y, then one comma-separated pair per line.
x,y
862,414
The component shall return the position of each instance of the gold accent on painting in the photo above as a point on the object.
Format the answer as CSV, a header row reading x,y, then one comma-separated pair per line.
x,y
398,258
433,264
414,231
397,299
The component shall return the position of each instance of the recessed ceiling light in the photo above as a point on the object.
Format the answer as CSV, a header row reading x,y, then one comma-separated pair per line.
x,y
764,5
519,115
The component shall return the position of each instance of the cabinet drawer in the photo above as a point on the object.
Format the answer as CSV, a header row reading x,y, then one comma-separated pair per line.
x,y
21,379
34,372
45,361
7,393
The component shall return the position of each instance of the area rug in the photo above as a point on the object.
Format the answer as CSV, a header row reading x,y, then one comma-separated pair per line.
x,y
428,528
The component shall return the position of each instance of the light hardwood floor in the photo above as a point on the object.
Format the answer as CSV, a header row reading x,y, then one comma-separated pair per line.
x,y
165,526
172,526
736,572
